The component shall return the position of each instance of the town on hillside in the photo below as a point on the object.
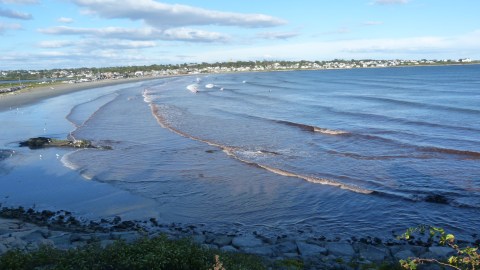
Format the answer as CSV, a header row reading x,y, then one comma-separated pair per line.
x,y
14,80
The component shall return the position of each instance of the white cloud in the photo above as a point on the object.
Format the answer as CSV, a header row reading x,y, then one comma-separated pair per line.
x,y
164,16
186,34
19,1
390,2
15,14
55,43
4,27
277,35
180,34
372,23
64,20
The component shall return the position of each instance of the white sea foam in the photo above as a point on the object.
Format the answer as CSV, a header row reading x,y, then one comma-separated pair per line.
x,y
67,163
193,88
329,131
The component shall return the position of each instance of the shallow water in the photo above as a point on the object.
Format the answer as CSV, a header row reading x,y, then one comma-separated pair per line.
x,y
335,152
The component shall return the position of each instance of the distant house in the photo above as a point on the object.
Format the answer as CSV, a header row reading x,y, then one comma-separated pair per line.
x,y
139,73
465,60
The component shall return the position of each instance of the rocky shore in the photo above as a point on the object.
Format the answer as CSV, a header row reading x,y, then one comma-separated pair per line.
x,y
27,230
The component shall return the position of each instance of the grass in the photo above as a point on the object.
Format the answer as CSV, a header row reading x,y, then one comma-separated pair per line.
x,y
155,253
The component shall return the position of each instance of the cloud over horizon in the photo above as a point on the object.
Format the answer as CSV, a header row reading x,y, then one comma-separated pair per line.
x,y
277,35
163,15
179,34
25,2
390,2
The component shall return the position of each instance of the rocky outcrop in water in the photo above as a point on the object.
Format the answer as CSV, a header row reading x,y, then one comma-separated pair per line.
x,y
42,142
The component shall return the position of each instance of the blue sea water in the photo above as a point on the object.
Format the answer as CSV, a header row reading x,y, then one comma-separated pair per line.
x,y
331,152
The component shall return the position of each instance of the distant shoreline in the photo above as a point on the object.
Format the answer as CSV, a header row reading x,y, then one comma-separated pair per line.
x,y
32,95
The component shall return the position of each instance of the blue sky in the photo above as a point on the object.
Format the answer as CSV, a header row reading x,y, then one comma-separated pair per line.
x,y
45,34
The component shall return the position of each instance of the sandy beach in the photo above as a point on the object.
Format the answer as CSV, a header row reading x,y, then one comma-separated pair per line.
x,y
31,95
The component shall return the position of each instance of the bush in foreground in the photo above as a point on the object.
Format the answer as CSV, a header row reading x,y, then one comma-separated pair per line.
x,y
464,258
155,253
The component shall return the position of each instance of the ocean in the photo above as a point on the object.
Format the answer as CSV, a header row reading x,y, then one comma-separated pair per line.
x,y
339,153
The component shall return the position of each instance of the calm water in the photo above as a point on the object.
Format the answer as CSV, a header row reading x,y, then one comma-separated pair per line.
x,y
335,152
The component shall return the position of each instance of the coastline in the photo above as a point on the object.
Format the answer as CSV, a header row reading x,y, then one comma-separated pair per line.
x,y
29,96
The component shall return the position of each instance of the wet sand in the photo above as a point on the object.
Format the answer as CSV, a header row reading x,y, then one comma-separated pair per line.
x,y
31,95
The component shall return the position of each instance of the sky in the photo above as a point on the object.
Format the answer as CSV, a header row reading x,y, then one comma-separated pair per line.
x,y
46,34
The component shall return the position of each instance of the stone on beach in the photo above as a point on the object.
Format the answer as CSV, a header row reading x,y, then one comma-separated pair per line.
x,y
308,250
246,241
340,249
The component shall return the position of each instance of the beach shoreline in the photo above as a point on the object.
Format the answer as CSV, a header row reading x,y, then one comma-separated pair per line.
x,y
33,95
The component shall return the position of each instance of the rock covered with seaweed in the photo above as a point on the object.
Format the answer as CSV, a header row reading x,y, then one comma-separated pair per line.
x,y
42,142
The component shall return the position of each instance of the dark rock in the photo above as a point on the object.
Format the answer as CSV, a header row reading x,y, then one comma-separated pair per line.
x,y
154,221
377,241
42,142
47,214
117,220
125,225
35,143
437,198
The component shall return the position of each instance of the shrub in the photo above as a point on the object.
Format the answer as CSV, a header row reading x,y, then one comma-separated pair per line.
x,y
465,258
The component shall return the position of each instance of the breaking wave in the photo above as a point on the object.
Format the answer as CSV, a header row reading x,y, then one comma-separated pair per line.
x,y
233,152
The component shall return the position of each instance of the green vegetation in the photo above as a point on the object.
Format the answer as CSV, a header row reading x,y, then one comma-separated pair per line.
x,y
291,264
465,258
155,253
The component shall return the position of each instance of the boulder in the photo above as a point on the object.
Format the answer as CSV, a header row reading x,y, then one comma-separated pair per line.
x,y
245,241
260,250
228,249
18,244
373,253
287,247
3,249
441,252
222,240
199,239
404,254
310,250
340,249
